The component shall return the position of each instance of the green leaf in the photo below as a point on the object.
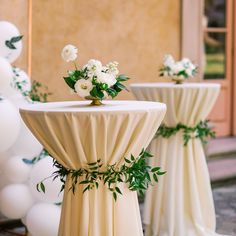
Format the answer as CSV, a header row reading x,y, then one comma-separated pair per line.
x,y
37,187
114,196
155,177
86,189
42,187
92,163
122,78
118,190
161,172
132,157
121,86
70,82
84,182
155,169
16,39
10,45
112,92
97,93
27,161
127,160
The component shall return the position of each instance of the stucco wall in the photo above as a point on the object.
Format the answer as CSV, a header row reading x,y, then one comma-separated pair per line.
x,y
16,12
135,33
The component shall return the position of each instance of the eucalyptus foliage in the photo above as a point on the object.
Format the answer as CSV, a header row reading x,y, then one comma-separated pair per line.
x,y
135,172
11,43
44,153
39,92
201,131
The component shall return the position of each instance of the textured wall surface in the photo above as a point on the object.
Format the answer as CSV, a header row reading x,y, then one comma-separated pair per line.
x,y
135,33
16,12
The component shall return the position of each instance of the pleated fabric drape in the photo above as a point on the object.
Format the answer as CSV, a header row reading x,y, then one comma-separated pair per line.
x,y
75,134
182,203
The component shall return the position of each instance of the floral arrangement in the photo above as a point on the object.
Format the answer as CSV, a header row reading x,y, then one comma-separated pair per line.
x,y
93,81
177,70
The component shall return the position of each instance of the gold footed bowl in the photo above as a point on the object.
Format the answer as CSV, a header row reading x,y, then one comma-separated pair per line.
x,y
178,80
95,101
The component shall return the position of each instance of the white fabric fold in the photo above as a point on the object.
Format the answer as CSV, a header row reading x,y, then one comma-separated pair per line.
x,y
182,203
75,134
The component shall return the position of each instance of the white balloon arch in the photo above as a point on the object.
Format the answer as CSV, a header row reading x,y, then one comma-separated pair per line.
x,y
22,162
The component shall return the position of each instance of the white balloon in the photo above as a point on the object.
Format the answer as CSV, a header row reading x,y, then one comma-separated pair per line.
x,y
26,144
3,158
15,201
43,219
40,171
9,125
16,170
7,32
6,75
18,100
3,180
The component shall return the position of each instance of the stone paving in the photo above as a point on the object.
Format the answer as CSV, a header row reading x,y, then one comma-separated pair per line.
x,y
225,204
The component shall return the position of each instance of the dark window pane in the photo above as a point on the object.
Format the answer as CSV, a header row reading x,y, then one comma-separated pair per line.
x,y
215,13
214,58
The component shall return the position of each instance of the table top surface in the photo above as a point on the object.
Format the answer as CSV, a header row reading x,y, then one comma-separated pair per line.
x,y
84,106
175,86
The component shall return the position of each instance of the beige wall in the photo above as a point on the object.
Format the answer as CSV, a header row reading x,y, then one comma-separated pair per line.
x,y
135,33
16,12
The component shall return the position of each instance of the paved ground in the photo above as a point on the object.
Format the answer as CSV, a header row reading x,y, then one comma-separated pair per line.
x,y
225,203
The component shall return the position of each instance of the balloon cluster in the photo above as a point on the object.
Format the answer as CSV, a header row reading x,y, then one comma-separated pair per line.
x,y
20,167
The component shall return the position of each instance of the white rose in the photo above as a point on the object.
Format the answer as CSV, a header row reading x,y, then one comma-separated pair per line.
x,y
189,72
177,67
185,61
93,67
192,66
69,53
106,78
169,61
83,87
112,68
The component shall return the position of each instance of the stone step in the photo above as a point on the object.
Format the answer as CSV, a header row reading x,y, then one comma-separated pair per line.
x,y
221,158
221,147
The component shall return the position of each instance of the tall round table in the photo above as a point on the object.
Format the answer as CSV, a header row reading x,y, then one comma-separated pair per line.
x,y
182,203
76,134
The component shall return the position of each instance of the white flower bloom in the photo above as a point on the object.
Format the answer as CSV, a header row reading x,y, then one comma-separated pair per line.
x,y
94,67
106,78
83,87
189,72
177,67
112,68
192,66
185,61
69,53
169,61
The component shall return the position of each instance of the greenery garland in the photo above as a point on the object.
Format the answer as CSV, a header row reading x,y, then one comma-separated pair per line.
x,y
135,172
201,131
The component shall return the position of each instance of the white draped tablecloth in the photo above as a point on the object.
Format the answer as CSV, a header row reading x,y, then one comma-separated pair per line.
x,y
76,134
182,203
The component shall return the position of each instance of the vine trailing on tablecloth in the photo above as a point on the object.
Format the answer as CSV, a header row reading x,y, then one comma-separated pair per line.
x,y
135,172
201,131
